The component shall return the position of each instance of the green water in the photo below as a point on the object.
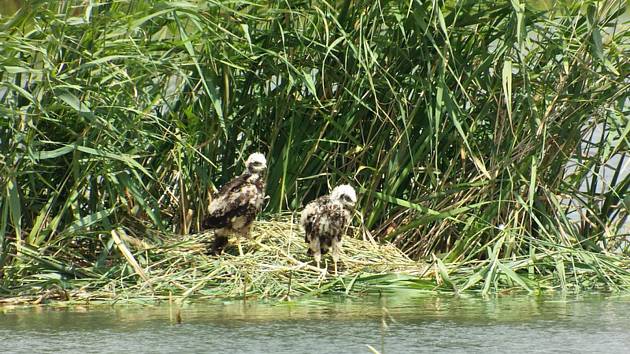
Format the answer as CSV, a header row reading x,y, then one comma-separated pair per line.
x,y
389,325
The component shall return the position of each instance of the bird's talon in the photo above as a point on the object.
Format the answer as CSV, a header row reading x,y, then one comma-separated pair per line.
x,y
323,272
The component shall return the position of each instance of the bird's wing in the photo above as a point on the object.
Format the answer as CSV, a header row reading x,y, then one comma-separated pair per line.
x,y
311,216
238,197
333,216
234,184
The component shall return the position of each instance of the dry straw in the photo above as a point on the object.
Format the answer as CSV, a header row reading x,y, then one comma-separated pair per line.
x,y
274,265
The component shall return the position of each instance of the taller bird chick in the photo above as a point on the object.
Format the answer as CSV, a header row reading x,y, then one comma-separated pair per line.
x,y
326,219
235,207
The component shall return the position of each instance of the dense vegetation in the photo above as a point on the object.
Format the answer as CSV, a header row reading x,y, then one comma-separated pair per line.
x,y
475,131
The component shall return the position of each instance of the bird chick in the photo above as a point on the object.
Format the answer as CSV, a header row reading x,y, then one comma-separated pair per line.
x,y
235,207
325,220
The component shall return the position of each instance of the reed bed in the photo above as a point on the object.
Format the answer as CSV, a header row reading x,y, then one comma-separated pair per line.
x,y
274,265
488,142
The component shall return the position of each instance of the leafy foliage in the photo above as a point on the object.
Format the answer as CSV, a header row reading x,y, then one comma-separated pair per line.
x,y
465,124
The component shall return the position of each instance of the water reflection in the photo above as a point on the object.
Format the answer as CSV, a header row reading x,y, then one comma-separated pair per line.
x,y
388,324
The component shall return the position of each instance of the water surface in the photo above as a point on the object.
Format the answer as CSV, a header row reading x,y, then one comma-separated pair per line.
x,y
527,324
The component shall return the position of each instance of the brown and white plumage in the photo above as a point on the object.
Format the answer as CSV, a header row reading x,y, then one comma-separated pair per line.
x,y
326,219
235,207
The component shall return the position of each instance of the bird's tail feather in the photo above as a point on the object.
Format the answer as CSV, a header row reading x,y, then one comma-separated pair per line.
x,y
218,244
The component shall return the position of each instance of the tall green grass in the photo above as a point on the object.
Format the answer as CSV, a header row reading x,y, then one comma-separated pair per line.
x,y
472,129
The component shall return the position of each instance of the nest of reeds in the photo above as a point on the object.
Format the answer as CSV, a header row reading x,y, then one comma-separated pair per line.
x,y
274,265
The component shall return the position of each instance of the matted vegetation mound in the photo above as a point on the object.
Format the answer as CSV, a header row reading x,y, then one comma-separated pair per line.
x,y
275,265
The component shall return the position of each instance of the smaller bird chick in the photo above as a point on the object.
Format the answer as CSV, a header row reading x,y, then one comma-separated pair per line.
x,y
325,220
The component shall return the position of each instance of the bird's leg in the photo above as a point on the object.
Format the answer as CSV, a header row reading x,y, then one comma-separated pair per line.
x,y
315,250
243,232
335,252
318,258
256,240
